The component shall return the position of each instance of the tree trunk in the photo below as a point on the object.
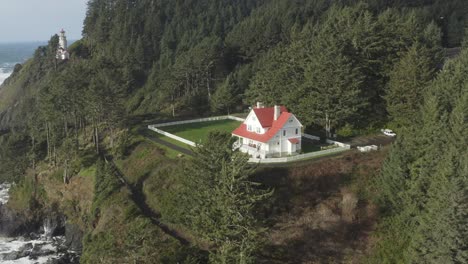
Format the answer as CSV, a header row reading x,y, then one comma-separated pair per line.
x,y
33,150
48,140
77,140
96,133
208,82
55,156
65,172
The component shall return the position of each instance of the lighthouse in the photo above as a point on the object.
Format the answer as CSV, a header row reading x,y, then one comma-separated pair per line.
x,y
62,51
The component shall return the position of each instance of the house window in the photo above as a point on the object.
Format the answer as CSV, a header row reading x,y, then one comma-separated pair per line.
x,y
249,127
254,118
297,131
258,130
284,133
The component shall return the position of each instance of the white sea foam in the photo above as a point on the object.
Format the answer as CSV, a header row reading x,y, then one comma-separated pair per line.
x,y
9,245
4,74
4,196
27,260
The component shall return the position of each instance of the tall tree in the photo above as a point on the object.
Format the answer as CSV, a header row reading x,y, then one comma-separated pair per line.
x,y
407,82
423,186
219,199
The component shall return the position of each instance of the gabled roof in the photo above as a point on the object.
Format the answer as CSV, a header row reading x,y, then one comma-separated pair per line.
x,y
276,125
265,115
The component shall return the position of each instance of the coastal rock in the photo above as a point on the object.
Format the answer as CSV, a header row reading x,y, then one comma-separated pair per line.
x,y
73,237
26,247
67,258
14,255
10,222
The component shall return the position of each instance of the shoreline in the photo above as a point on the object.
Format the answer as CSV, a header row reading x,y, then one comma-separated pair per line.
x,y
4,75
40,246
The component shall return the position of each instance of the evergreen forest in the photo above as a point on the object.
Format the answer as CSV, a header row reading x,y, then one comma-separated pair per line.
x,y
72,132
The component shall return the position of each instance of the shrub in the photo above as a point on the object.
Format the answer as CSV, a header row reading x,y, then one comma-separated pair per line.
x,y
346,131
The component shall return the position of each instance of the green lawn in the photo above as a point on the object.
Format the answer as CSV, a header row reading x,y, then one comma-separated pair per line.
x,y
198,132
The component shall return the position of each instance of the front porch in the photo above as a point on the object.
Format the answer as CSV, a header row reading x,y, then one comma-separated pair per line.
x,y
252,150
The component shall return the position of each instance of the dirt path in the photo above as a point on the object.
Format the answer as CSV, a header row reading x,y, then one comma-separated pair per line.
x,y
139,198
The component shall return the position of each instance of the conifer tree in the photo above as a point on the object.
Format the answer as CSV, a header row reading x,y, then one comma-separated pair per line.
x,y
225,96
219,199
425,193
407,83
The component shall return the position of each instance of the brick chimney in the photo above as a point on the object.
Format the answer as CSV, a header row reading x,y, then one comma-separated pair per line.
x,y
277,112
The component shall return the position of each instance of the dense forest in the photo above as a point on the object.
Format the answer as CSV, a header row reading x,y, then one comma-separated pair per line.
x,y
358,65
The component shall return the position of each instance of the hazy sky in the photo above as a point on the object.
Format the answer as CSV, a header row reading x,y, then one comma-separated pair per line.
x,y
38,20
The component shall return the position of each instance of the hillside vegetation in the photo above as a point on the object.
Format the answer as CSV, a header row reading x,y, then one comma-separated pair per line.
x,y
71,131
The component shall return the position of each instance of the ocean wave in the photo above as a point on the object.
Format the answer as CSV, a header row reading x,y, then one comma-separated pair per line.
x,y
4,74
8,65
4,196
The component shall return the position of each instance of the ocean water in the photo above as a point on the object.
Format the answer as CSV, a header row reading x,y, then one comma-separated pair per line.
x,y
13,53
10,245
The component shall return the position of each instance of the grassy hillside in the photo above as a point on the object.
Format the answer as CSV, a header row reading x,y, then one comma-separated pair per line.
x,y
141,61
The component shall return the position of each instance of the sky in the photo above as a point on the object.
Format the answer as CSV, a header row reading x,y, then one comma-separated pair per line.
x,y
38,20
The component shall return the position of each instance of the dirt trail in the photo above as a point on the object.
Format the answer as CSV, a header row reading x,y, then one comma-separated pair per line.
x,y
139,198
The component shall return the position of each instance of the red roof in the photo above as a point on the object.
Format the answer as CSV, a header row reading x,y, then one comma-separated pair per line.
x,y
294,140
265,115
276,125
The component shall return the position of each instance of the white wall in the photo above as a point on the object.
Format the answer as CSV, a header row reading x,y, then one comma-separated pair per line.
x,y
215,118
252,120
300,157
167,134
342,147
183,140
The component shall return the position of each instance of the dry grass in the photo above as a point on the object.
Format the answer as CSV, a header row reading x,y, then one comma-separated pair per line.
x,y
75,198
317,215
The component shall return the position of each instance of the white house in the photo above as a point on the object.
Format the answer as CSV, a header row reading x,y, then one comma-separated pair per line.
x,y
269,132
62,51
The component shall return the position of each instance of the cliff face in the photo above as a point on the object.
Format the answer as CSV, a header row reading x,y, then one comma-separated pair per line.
x,y
5,119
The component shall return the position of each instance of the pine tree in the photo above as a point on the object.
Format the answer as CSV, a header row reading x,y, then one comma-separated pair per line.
x,y
219,196
225,96
407,83
424,191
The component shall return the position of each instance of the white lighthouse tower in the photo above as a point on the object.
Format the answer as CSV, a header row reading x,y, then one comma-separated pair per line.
x,y
62,51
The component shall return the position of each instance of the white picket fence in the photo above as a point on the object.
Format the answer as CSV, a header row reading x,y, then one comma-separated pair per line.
x,y
329,141
300,157
308,136
167,134
199,120
341,146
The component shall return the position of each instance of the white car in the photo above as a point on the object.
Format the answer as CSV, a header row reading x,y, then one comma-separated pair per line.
x,y
388,132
